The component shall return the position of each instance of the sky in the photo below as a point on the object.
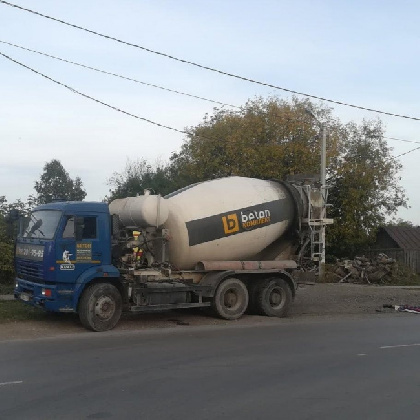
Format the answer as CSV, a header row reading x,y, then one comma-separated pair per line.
x,y
360,52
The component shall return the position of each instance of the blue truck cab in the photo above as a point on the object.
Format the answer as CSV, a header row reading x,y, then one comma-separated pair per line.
x,y
73,257
64,247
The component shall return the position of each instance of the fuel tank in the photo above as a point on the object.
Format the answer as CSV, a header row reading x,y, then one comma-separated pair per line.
x,y
228,219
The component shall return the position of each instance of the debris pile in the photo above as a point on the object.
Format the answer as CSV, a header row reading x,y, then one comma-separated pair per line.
x,y
404,308
378,270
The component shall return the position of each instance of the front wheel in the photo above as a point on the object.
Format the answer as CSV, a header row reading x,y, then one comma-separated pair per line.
x,y
231,299
273,297
100,307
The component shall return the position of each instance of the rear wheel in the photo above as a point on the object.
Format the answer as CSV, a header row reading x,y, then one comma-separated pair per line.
x,y
100,307
231,299
273,297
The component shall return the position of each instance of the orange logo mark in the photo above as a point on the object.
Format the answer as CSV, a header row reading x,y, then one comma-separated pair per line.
x,y
230,224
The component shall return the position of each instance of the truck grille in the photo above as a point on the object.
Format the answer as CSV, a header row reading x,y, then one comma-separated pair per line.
x,y
29,270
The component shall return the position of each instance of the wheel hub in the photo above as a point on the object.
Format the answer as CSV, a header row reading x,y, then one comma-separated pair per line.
x,y
231,299
104,308
276,298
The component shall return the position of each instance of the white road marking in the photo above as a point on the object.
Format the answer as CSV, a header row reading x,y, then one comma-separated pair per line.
x,y
400,345
362,354
10,383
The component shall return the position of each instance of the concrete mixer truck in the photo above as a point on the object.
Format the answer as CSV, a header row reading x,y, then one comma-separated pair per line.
x,y
232,244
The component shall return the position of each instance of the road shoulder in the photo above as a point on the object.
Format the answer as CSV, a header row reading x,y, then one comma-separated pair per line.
x,y
319,301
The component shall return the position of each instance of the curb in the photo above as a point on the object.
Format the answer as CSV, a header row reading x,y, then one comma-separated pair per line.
x,y
7,297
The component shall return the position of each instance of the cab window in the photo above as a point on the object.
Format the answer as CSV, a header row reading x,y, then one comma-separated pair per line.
x,y
68,232
80,228
89,228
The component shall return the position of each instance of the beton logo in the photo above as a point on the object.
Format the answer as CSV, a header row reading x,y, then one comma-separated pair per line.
x,y
255,218
230,224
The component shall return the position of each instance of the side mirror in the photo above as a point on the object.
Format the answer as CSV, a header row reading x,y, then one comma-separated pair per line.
x,y
14,215
23,224
12,227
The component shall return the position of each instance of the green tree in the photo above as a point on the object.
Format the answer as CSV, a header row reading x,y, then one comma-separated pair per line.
x,y
6,261
8,231
3,213
137,176
400,222
9,225
364,187
55,183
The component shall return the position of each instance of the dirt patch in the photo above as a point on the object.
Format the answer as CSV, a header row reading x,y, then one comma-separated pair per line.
x,y
330,300
336,299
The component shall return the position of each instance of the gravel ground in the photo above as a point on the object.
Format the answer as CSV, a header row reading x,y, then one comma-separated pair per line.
x,y
322,300
350,299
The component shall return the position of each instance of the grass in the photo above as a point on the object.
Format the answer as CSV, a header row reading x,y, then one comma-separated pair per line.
x,y
6,288
402,276
12,311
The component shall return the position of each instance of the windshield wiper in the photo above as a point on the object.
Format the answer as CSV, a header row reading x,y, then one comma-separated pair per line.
x,y
36,227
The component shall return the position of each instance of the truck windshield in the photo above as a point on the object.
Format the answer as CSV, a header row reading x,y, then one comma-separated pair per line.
x,y
41,224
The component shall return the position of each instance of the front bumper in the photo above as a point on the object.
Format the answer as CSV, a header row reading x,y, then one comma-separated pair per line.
x,y
52,298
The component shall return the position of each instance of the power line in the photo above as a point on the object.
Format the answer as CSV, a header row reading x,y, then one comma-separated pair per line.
x,y
93,99
118,75
150,84
153,85
406,153
192,63
405,141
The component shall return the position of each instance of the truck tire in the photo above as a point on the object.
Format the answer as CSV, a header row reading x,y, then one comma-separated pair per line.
x,y
231,299
273,297
100,307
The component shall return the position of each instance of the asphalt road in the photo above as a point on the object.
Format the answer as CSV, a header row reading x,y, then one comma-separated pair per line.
x,y
363,367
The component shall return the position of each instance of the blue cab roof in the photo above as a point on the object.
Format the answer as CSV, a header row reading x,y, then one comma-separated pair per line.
x,y
75,206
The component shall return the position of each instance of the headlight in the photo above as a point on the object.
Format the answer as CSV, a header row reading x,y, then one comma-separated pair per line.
x,y
46,292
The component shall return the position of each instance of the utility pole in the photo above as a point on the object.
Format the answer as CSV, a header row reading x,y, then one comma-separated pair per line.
x,y
323,221
324,197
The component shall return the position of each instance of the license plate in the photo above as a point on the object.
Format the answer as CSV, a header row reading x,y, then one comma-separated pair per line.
x,y
25,297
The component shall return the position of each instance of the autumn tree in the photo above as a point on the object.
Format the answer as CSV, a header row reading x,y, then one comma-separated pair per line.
x,y
267,138
55,183
136,177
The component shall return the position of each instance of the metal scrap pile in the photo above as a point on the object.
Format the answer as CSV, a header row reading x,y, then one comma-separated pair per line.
x,y
379,270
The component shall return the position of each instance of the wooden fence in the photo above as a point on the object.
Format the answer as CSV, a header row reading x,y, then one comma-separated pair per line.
x,y
409,257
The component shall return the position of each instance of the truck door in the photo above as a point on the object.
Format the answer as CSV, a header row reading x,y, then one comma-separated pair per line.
x,y
78,247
